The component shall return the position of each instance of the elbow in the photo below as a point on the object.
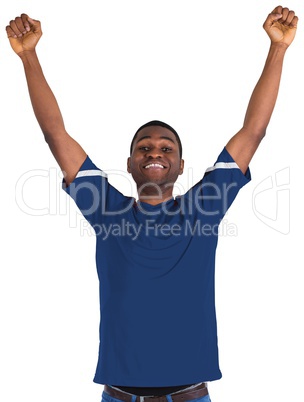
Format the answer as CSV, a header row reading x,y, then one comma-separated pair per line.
x,y
256,132
257,137
260,134
52,132
51,127
52,138
47,138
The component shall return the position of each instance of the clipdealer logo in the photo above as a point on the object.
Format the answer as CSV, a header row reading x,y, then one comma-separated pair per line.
x,y
271,201
270,198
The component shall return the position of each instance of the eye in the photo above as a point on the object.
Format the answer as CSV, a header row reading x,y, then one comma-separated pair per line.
x,y
166,149
144,148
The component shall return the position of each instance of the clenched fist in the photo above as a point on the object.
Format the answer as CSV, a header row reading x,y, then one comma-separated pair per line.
x,y
281,25
23,33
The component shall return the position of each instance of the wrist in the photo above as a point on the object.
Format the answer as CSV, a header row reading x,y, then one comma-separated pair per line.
x,y
281,46
27,55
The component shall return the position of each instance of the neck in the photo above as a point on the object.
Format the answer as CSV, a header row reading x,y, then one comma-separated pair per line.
x,y
150,196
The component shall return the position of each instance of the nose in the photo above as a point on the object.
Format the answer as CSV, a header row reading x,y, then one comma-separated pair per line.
x,y
154,153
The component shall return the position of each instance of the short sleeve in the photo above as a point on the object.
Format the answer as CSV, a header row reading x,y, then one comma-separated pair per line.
x,y
94,195
214,194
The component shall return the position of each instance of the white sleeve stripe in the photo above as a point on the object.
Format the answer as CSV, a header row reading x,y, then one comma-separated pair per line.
x,y
88,173
223,165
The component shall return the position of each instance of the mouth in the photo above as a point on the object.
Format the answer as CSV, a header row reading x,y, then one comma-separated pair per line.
x,y
154,166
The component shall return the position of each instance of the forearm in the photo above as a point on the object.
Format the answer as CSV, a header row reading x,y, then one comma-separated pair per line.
x,y
265,93
44,103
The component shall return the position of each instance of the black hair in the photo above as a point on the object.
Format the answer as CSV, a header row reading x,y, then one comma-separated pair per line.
x,y
161,124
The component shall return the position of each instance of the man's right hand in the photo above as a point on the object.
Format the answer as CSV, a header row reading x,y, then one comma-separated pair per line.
x,y
23,33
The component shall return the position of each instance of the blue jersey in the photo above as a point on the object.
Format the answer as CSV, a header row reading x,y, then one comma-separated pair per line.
x,y
156,267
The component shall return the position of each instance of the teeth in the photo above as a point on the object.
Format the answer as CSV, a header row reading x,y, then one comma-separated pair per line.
x,y
154,165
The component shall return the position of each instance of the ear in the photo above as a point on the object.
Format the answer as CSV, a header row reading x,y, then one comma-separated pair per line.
x,y
129,165
181,167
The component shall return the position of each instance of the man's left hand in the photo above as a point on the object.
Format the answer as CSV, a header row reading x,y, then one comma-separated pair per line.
x,y
281,25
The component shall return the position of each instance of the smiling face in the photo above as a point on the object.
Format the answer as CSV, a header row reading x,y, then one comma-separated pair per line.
x,y
155,159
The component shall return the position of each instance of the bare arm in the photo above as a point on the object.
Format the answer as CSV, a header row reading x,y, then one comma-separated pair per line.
x,y
24,34
281,28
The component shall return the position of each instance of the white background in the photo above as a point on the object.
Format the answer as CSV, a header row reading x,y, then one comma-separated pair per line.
x,y
113,66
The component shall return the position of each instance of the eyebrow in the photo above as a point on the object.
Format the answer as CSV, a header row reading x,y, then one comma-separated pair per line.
x,y
149,136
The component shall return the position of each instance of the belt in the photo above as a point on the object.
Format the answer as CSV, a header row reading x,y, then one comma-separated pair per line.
x,y
181,396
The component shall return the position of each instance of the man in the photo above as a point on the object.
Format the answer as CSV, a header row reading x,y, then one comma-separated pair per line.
x,y
155,256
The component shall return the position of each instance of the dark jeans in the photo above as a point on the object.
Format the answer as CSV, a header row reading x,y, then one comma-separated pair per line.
x,y
108,398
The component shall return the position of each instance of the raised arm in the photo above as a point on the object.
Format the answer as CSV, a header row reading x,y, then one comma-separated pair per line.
x,y
281,27
24,34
